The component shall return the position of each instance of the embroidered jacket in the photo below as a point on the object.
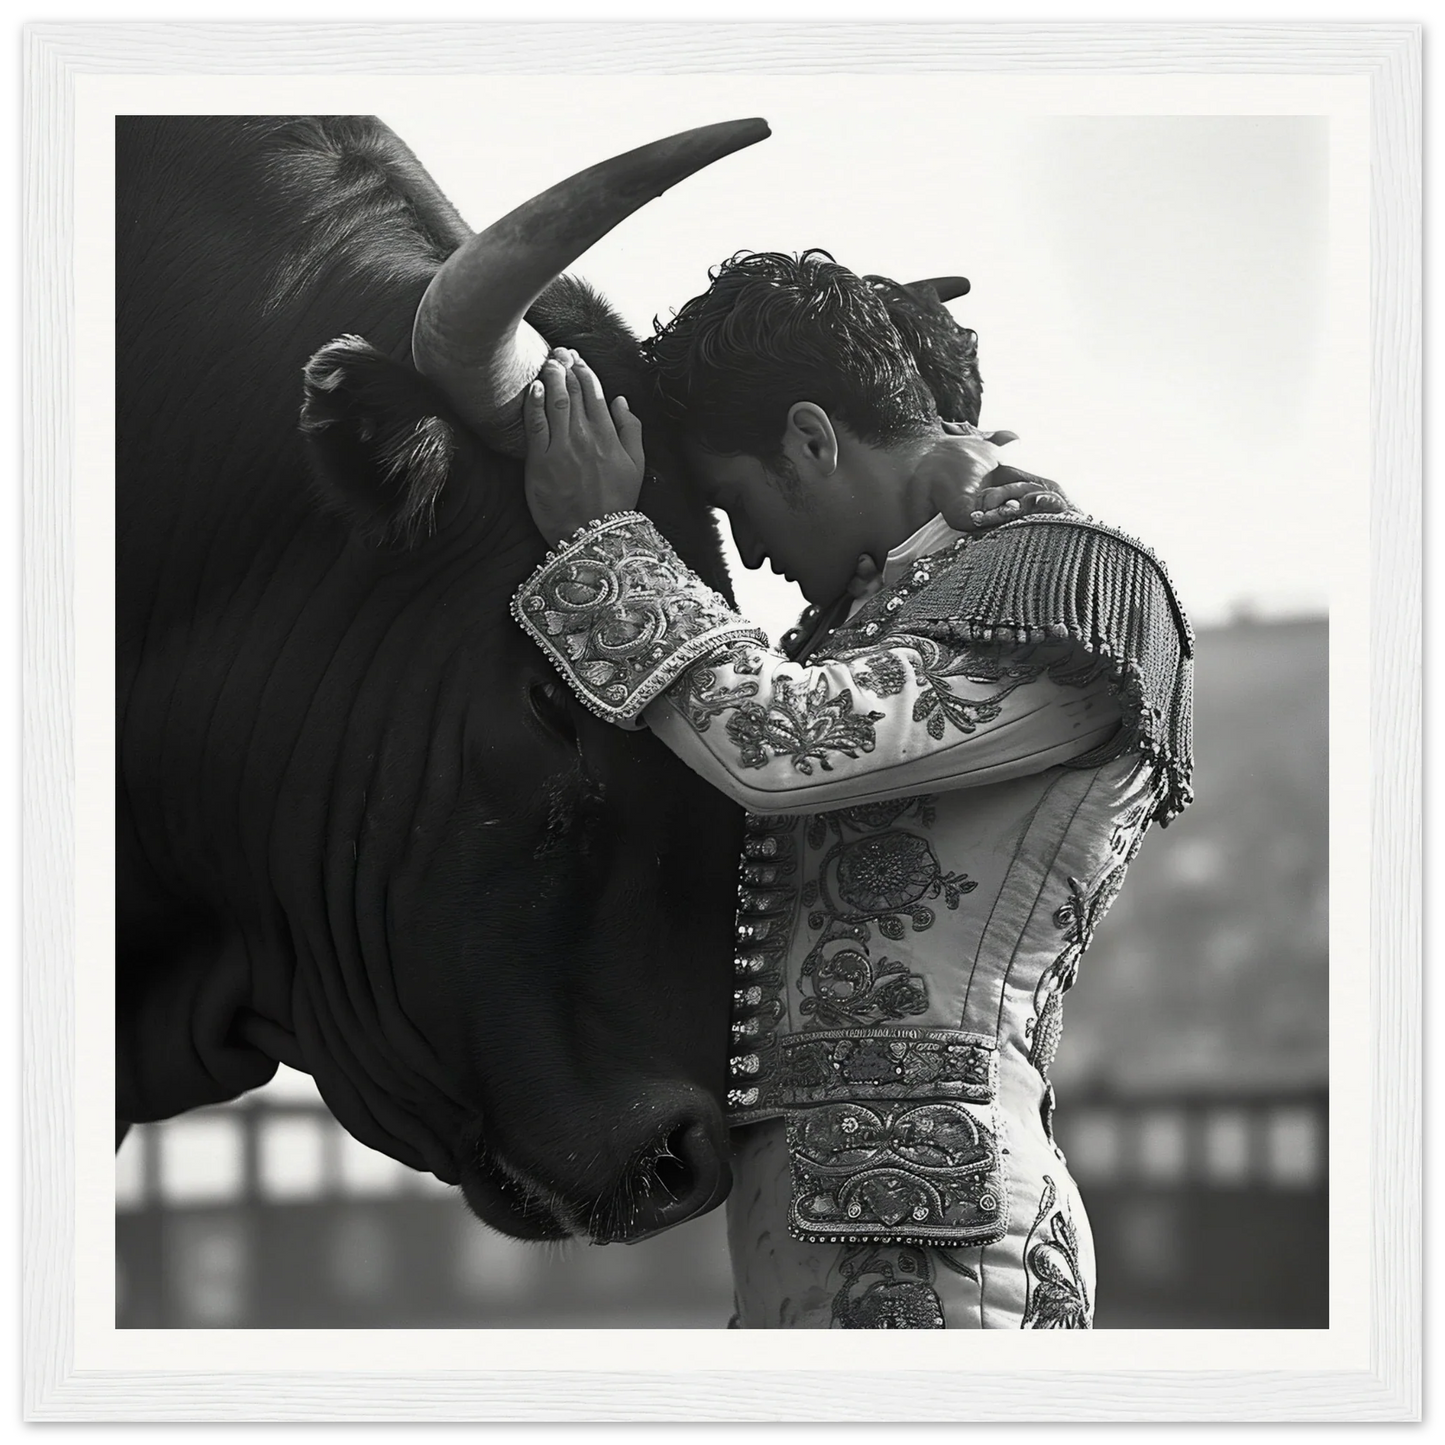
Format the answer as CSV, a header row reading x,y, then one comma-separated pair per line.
x,y
943,796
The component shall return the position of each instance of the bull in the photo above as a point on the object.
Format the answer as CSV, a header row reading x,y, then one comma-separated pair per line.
x,y
361,829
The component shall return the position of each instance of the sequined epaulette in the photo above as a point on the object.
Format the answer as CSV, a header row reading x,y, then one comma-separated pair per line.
x,y
1050,578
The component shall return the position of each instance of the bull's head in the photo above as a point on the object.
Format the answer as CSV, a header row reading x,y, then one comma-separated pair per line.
x,y
535,908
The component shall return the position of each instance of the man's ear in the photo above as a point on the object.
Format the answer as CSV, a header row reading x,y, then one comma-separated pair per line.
x,y
809,440
381,441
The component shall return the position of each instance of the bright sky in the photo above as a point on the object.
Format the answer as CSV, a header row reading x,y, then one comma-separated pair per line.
x,y
1147,289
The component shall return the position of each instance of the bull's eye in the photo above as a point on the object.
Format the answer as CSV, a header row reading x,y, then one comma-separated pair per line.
x,y
548,701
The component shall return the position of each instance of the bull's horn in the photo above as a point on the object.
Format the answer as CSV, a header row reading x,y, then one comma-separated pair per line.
x,y
947,288
469,336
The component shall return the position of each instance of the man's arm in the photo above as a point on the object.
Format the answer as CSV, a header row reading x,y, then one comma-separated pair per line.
x,y
641,640
632,629
779,737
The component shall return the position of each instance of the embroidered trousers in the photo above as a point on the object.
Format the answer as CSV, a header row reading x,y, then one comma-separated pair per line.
x,y
1039,1276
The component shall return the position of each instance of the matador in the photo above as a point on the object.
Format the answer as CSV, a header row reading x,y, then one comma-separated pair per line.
x,y
946,770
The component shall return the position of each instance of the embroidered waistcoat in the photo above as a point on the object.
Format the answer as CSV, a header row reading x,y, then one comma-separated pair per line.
x,y
901,961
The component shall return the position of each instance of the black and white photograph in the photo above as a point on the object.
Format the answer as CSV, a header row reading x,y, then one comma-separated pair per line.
x,y
727,694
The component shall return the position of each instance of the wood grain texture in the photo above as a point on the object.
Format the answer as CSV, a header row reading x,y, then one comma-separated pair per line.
x,y
793,47
1389,54
1396,937
47,776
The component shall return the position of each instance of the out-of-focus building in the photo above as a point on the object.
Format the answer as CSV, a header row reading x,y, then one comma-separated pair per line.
x,y
1193,1077
1209,973
1192,1087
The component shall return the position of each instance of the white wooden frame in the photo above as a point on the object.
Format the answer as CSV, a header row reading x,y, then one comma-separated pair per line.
x,y
1057,1385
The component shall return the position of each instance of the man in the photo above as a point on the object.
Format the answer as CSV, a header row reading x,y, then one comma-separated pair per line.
x,y
944,788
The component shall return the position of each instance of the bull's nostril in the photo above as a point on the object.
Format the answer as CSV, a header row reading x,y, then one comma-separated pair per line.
x,y
670,1175
682,1176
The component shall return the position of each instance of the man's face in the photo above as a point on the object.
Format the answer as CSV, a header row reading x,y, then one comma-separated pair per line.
x,y
812,535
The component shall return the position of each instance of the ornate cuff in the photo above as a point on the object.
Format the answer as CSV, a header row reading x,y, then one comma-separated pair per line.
x,y
621,615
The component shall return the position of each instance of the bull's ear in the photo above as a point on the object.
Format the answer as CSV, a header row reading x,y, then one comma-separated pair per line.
x,y
381,440
941,288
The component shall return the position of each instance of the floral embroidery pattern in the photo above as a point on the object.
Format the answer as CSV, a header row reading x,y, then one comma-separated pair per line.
x,y
939,706
880,879
800,722
1057,1299
621,615
803,724
882,674
890,873
850,988
1077,918
895,1171
887,1288
1003,667
699,695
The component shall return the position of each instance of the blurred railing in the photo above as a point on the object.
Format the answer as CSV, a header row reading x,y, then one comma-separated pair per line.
x,y
267,1213
1207,1212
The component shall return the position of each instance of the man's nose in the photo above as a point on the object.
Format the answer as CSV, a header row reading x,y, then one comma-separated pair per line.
x,y
749,544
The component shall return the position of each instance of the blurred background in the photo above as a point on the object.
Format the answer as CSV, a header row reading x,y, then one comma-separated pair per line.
x,y
1156,298
1192,1086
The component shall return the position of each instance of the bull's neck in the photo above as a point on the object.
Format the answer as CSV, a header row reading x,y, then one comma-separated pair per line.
x,y
276,719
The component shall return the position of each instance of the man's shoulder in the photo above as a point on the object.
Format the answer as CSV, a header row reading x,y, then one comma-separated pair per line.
x,y
1041,572
1072,580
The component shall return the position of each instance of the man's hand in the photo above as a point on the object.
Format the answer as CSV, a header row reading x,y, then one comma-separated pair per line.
x,y
584,460
973,490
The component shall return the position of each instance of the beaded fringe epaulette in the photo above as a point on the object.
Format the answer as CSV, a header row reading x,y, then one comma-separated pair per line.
x,y
1051,577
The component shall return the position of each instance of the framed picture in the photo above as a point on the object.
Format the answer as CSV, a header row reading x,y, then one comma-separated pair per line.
x,y
1194,254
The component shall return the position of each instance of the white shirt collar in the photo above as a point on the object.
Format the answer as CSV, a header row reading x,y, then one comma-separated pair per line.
x,y
928,538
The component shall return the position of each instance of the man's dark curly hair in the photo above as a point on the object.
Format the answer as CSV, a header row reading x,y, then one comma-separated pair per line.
x,y
774,329
945,353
